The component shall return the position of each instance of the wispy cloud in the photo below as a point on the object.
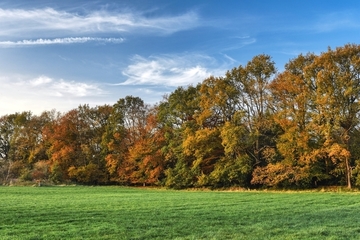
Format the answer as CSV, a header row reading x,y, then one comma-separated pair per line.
x,y
337,20
69,40
21,22
171,70
239,42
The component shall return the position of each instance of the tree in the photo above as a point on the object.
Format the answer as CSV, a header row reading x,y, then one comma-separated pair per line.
x,y
337,99
251,83
5,164
145,156
176,114
293,105
75,143
14,148
64,148
235,167
124,128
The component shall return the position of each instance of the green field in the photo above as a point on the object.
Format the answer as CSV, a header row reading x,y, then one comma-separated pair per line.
x,y
133,213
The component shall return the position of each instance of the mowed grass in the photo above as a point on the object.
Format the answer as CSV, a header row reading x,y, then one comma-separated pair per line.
x,y
136,213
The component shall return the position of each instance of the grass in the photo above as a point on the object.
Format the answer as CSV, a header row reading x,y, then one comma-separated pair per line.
x,y
135,213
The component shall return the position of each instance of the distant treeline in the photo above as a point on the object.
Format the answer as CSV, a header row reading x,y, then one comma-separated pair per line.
x,y
254,127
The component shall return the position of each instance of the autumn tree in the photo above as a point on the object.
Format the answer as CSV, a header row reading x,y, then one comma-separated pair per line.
x,y
125,126
316,99
293,104
211,142
75,144
64,147
251,82
337,99
146,154
93,124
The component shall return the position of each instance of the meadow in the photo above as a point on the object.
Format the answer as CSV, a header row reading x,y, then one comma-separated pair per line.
x,y
77,212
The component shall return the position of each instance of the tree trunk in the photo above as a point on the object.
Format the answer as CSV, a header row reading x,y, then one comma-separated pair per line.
x,y
8,172
348,173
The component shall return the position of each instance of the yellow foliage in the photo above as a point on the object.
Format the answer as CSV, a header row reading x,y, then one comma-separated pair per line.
x,y
111,163
337,152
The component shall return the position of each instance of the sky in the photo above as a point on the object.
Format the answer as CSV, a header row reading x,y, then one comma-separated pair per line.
x,y
62,54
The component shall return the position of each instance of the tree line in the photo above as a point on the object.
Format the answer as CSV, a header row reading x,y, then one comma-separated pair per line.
x,y
254,127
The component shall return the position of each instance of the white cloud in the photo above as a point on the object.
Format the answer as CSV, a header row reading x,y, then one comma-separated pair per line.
x,y
21,22
75,89
171,70
69,40
47,86
42,80
20,93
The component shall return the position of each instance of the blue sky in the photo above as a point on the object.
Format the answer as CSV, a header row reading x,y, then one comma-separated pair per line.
x,y
60,54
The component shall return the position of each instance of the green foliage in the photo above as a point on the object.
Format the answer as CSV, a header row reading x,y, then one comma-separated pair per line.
x,y
232,172
56,174
179,177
